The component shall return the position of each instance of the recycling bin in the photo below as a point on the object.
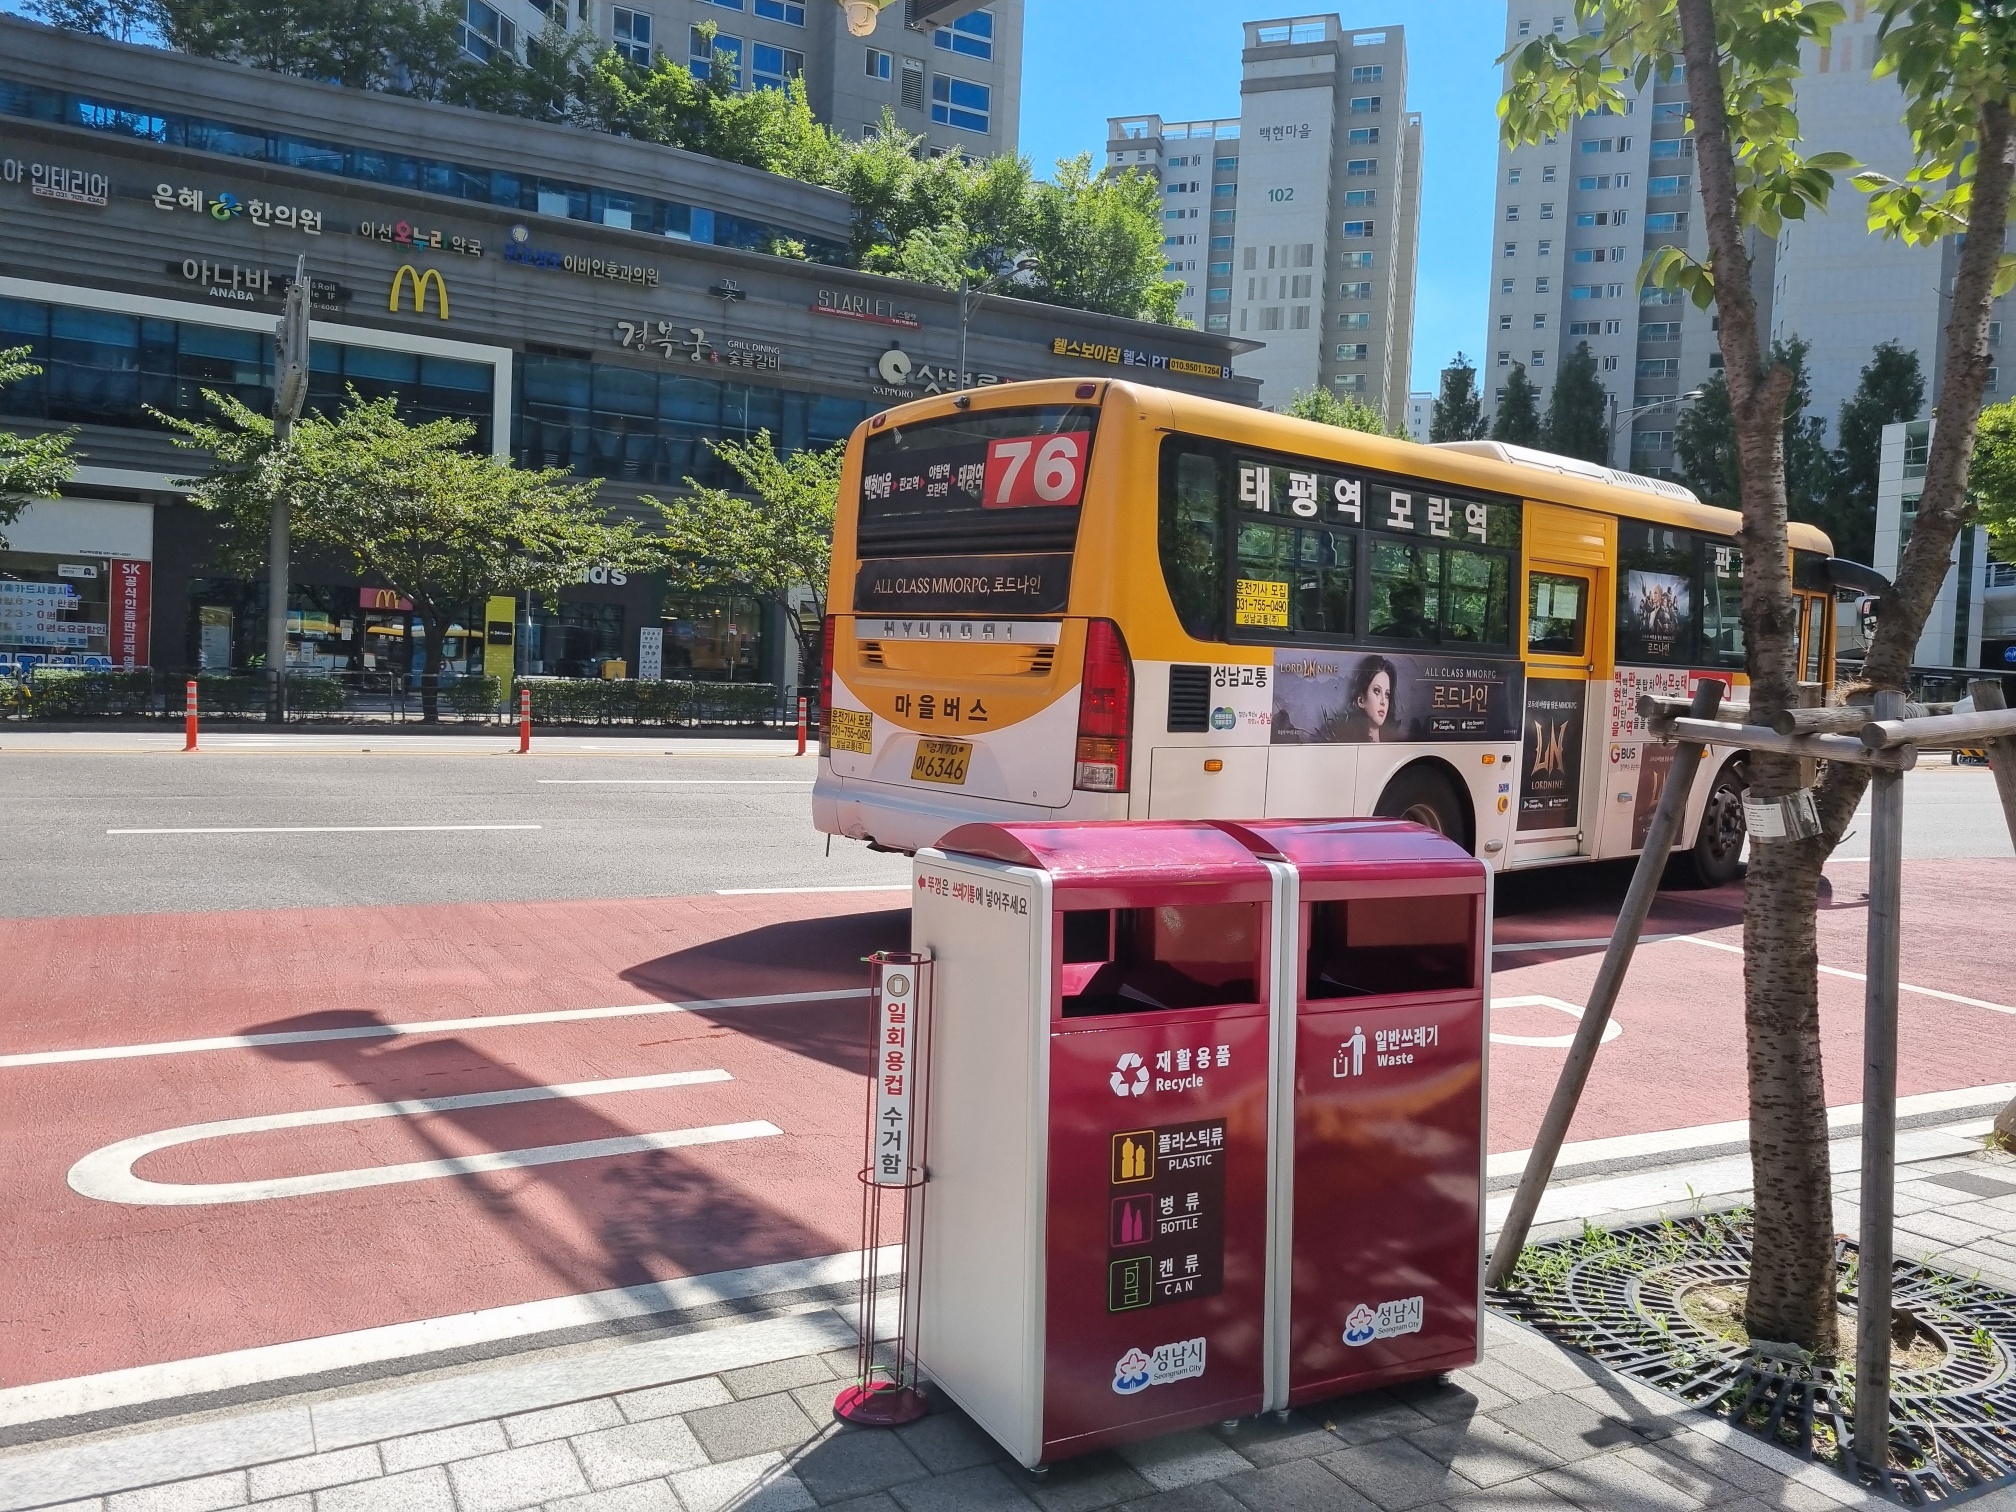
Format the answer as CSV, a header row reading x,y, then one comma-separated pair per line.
x,y
1091,1254
1378,1212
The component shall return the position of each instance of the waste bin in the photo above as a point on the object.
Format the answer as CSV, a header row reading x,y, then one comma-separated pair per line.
x,y
1092,1251
1379,1132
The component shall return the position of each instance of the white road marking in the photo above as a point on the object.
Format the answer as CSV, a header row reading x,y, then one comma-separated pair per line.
x,y
744,892
1857,976
1546,1041
418,1026
675,781
107,1173
1520,946
323,829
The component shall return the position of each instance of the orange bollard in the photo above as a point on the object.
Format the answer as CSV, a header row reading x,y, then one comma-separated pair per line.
x,y
189,716
524,720
801,724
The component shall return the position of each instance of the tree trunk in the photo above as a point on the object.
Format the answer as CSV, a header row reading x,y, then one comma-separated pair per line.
x,y
1791,1294
435,629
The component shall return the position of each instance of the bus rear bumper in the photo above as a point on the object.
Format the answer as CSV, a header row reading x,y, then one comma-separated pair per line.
x,y
907,819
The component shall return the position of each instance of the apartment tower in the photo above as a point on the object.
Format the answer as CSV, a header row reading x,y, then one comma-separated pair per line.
x,y
1297,224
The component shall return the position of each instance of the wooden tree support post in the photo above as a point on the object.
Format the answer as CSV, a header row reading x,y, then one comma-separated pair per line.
x,y
1666,821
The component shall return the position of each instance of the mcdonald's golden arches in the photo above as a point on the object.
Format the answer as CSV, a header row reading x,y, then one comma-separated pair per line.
x,y
420,284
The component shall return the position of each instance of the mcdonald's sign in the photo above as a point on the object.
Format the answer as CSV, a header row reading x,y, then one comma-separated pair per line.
x,y
420,283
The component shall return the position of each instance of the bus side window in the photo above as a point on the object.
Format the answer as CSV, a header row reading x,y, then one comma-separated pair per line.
x,y
1191,541
1406,590
1816,638
1721,579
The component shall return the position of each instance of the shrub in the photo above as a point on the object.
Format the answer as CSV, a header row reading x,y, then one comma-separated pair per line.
x,y
474,696
594,700
314,695
74,693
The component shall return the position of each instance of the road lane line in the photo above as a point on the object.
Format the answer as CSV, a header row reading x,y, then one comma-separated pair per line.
x,y
1611,1029
323,829
107,1173
674,781
745,892
1857,976
1519,946
418,1026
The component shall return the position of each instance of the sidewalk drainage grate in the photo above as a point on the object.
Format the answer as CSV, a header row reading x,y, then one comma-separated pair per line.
x,y
1645,1301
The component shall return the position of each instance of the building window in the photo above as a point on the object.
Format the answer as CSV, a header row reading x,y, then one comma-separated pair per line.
x,y
1361,167
1540,285
1672,183
726,49
1666,220
1353,351
1368,73
1223,217
1221,244
1504,322
1673,147
1217,322
1659,367
1355,382
1546,248
1359,228
1609,364
1361,198
1218,296
1221,269
1511,212
734,5
1546,210
1670,110
971,35
1651,441
1299,318
1512,176
1511,249
878,64
1223,191
1547,173
1504,359
771,67
1363,136
913,84
790,12
633,35
1360,320
1354,291
1525,28
1355,260
1270,318
1504,286
1659,330
1298,286
1365,104
1538,359
1539,322
485,32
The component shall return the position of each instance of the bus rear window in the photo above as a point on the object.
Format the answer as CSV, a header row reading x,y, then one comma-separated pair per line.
x,y
988,481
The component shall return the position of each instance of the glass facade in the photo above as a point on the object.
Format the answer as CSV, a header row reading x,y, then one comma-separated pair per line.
x,y
488,186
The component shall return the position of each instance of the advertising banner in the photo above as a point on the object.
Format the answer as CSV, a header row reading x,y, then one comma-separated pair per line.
x,y
131,611
1654,617
1323,698
1655,766
895,1073
1038,583
1550,788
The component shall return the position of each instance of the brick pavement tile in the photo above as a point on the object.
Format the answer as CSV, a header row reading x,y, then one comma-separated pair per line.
x,y
1452,1401
760,1483
637,1451
551,1423
878,1502
204,1495
1947,1228
740,1429
305,1502
1295,1486
1652,1415
841,1362
313,1472
517,1478
1395,1475
816,1402
1513,1496
416,1491
644,1496
1085,1484
1272,1440
1201,1498
984,1489
1540,1361
949,1440
1483,1452
1700,1457
680,1396
418,1450
1611,1483
1183,1459
89,1504
1565,1426
778,1375
1368,1417
1498,1373
841,1465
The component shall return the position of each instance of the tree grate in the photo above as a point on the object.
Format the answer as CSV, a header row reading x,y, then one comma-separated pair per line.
x,y
1622,1297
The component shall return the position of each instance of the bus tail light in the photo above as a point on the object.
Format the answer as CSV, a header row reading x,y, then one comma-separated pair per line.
x,y
1105,711
826,686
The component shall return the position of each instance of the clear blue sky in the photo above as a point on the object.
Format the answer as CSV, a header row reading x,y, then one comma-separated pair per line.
x,y
1083,60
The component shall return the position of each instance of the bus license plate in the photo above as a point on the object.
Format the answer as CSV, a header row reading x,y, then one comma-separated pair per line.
x,y
941,761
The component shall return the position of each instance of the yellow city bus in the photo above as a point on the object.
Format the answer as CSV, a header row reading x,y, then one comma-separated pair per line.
x,y
1102,600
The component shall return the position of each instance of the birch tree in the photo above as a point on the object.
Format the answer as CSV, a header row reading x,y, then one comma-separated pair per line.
x,y
1952,59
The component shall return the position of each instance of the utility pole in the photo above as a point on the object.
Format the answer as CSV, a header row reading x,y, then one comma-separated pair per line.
x,y
290,391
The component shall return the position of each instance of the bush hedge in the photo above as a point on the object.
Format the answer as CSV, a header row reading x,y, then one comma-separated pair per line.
x,y
594,700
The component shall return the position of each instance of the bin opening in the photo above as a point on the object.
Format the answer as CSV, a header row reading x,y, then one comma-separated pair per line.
x,y
1365,947
1139,960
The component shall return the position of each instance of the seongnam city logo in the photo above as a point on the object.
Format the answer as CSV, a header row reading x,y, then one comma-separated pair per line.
x,y
1389,1321
1135,1371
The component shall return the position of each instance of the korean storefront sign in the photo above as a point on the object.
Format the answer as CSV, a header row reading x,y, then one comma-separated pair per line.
x,y
1124,356
226,206
247,284
863,307
518,249
406,234
77,186
132,606
671,340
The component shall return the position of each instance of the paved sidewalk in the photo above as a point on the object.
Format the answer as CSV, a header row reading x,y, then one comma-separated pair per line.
x,y
739,1416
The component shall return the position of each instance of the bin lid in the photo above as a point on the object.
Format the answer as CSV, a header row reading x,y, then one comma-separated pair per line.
x,y
1116,851
1355,849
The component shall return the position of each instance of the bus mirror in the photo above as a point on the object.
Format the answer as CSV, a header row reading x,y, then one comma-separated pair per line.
x,y
1845,576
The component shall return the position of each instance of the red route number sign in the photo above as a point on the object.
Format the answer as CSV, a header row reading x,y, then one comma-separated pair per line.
x,y
1036,471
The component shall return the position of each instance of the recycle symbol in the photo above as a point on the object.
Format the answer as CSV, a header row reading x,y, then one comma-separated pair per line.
x,y
1121,1085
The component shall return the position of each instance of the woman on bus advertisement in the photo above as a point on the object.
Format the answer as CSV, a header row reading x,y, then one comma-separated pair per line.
x,y
1330,698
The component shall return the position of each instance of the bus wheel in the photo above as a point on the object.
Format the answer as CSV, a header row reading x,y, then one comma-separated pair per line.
x,y
1424,796
1717,855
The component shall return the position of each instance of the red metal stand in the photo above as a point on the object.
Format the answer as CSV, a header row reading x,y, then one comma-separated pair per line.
x,y
524,720
189,716
886,1391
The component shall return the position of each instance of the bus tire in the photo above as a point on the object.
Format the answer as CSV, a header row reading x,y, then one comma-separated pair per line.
x,y
1716,857
1427,797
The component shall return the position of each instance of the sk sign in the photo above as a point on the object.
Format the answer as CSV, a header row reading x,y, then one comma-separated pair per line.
x,y
420,283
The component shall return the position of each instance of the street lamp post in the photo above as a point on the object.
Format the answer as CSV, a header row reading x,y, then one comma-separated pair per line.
x,y
290,391
970,299
1617,420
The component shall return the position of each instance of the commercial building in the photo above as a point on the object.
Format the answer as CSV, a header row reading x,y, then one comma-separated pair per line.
x,y
1420,413
585,302
1297,224
951,70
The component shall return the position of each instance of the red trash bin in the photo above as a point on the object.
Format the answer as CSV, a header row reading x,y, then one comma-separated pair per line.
x,y
1378,1206
1093,1243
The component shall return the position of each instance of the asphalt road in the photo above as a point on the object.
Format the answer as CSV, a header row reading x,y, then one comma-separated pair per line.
x,y
578,818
